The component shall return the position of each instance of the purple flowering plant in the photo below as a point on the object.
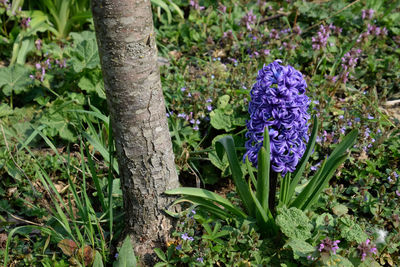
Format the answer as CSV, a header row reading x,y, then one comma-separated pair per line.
x,y
279,146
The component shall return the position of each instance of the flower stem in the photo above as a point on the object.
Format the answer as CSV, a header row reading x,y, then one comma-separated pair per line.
x,y
273,180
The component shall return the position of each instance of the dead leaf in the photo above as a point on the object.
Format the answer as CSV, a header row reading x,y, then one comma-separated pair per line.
x,y
68,246
219,53
175,54
11,191
3,240
87,254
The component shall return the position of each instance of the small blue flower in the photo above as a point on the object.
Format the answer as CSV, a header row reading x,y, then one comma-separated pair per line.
x,y
183,89
200,259
178,247
186,237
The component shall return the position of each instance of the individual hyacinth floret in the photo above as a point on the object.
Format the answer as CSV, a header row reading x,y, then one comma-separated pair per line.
x,y
278,101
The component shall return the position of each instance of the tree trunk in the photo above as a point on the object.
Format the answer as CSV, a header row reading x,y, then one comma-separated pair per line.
x,y
128,53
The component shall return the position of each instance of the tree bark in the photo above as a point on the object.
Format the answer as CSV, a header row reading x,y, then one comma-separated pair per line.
x,y
128,54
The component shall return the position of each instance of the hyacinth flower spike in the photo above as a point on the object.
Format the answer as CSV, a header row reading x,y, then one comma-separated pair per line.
x,y
278,146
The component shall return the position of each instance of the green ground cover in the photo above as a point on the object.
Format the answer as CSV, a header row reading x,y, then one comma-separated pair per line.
x,y
60,200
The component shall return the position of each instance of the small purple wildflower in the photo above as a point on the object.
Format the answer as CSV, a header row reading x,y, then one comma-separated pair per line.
x,y
328,245
310,258
209,108
25,23
182,115
195,5
116,255
48,63
349,60
178,247
5,4
183,89
221,7
38,44
200,259
297,30
196,127
367,14
320,41
266,52
366,249
274,34
228,35
249,19
398,193
370,117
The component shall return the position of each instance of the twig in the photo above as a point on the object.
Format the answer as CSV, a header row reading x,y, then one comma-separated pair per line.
x,y
23,220
272,17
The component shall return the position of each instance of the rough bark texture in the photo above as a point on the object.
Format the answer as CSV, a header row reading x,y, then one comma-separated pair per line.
x,y
128,54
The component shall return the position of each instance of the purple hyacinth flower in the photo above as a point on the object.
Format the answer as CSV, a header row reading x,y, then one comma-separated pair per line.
x,y
278,101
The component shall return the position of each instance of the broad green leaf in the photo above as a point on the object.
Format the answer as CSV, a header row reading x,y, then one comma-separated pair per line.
x,y
160,254
300,248
221,163
221,121
94,83
208,205
79,37
311,192
302,164
14,79
351,231
126,255
5,110
165,7
98,261
27,45
242,188
205,194
85,55
323,182
294,223
340,209
336,261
